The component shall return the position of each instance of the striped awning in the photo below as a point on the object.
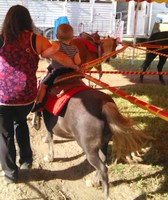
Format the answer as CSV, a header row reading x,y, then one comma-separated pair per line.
x,y
149,1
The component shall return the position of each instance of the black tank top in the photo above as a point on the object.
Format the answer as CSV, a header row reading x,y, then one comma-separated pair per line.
x,y
33,41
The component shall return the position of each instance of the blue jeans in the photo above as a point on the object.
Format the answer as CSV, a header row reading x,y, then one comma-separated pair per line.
x,y
13,122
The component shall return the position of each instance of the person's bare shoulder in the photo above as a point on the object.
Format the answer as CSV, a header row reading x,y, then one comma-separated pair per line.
x,y
42,43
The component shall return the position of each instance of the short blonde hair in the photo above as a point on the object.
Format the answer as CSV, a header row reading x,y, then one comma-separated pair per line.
x,y
64,32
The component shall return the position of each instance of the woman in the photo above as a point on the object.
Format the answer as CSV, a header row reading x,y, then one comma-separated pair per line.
x,y
19,56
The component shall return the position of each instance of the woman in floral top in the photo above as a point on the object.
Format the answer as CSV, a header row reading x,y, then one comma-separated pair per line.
x,y
20,48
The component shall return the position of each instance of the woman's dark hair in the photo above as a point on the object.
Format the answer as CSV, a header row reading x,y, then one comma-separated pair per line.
x,y
16,21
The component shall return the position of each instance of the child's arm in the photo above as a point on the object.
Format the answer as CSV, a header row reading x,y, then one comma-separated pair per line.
x,y
51,50
77,59
54,53
64,60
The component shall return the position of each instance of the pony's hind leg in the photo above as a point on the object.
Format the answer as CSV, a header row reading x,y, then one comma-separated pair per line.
x,y
99,69
149,58
162,60
101,170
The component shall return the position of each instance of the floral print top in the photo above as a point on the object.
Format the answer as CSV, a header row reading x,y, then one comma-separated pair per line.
x,y
18,66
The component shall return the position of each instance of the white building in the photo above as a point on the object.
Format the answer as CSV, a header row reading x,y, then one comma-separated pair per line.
x,y
106,16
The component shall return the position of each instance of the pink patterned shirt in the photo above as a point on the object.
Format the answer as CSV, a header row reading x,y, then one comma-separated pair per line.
x,y
18,66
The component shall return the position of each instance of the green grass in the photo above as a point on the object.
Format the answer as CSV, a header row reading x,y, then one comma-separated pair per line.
x,y
151,179
152,93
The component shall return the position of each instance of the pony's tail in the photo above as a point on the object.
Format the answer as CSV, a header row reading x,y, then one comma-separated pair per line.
x,y
127,138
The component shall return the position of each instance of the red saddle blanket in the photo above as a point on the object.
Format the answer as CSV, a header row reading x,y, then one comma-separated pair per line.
x,y
54,105
90,46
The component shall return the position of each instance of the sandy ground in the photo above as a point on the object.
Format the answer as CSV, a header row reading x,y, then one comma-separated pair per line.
x,y
65,177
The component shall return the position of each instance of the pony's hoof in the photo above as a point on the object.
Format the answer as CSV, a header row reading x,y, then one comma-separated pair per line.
x,y
36,126
48,158
162,82
91,183
140,80
45,139
93,180
36,121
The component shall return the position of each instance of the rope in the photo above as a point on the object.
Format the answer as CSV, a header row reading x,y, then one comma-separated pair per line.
x,y
97,62
152,41
137,47
124,72
152,109
152,46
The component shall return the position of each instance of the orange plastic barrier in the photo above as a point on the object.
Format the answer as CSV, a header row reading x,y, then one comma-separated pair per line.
x,y
152,109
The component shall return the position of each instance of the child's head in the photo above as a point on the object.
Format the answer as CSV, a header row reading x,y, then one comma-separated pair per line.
x,y
65,32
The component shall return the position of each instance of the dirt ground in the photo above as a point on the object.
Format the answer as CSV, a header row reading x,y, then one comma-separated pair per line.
x,y
64,179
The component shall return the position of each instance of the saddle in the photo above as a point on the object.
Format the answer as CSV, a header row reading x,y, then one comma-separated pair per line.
x,y
62,90
92,42
89,37
65,83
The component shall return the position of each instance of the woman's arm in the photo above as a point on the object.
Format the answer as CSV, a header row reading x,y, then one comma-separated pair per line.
x,y
51,50
42,44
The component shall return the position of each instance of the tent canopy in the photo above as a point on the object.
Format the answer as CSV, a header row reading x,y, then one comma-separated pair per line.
x,y
150,1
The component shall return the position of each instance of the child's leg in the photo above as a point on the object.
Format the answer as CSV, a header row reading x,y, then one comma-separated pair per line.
x,y
48,81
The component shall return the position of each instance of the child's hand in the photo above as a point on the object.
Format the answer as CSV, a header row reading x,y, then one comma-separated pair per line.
x,y
77,68
55,45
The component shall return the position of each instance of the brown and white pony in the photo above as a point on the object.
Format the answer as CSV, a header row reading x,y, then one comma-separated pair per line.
x,y
92,47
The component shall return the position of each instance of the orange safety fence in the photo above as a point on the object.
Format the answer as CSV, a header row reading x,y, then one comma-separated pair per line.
x,y
98,61
152,46
147,50
117,72
123,72
152,109
148,44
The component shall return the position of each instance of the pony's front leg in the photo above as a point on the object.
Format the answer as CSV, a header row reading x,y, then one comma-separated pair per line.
x,y
49,139
99,70
36,120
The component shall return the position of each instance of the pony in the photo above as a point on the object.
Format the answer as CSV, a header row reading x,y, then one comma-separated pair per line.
x,y
92,47
92,118
109,45
159,38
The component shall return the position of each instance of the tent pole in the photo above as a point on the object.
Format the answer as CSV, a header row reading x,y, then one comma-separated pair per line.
x,y
134,33
150,19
